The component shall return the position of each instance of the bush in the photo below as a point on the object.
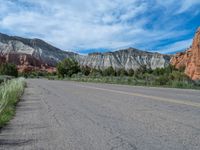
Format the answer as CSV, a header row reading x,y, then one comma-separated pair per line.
x,y
96,73
86,70
8,69
109,71
121,72
162,80
131,72
67,67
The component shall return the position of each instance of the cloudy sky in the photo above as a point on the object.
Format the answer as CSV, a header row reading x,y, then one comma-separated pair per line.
x,y
86,26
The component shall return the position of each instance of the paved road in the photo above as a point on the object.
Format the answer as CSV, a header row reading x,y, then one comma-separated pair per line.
x,y
57,115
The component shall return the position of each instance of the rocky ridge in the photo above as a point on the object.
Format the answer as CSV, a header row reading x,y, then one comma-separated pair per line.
x,y
34,47
128,58
31,54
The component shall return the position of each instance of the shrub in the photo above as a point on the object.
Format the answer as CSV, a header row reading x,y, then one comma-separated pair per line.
x,y
8,69
96,73
131,72
109,71
86,70
162,80
68,67
121,72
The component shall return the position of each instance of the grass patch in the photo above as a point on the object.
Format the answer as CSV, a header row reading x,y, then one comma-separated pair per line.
x,y
10,93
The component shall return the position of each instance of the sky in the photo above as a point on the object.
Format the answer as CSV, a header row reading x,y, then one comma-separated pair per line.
x,y
85,26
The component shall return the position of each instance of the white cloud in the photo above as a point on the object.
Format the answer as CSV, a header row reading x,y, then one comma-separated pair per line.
x,y
177,46
187,4
74,24
78,24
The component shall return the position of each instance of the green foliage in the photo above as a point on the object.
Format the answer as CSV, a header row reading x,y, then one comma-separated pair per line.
x,y
165,77
96,73
10,92
131,72
86,70
36,74
8,69
109,71
121,72
67,67
161,80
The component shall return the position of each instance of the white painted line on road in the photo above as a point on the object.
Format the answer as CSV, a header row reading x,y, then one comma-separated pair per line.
x,y
175,101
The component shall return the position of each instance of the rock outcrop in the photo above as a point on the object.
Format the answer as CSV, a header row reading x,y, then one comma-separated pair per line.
x,y
190,59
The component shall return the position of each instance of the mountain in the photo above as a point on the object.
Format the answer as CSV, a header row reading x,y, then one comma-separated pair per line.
x,y
31,54
35,54
128,58
190,59
34,47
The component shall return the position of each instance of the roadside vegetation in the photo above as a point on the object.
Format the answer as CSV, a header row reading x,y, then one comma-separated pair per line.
x,y
10,92
169,76
11,88
162,77
8,70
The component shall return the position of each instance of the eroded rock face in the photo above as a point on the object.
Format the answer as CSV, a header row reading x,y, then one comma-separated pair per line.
x,y
182,59
190,59
26,62
129,59
35,47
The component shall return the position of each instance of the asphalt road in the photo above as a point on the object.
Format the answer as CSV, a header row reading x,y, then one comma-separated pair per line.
x,y
60,115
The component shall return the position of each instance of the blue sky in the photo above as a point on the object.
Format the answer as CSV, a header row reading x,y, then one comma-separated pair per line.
x,y
104,25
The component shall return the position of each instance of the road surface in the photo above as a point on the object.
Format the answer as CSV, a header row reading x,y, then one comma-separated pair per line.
x,y
61,115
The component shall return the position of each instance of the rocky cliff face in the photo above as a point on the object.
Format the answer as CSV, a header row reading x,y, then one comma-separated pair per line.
x,y
35,54
128,59
26,62
31,54
190,59
34,47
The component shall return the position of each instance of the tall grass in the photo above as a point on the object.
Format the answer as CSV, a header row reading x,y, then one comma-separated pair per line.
x,y
10,93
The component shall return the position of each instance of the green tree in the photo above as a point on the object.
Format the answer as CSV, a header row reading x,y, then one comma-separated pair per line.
x,y
121,72
96,72
131,72
8,69
109,71
86,70
67,67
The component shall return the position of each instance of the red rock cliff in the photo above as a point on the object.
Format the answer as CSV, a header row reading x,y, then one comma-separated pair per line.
x,y
26,62
190,59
